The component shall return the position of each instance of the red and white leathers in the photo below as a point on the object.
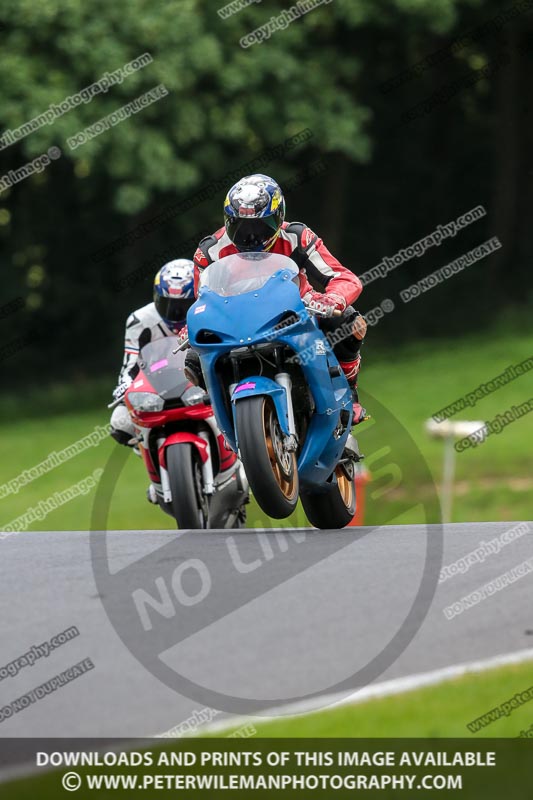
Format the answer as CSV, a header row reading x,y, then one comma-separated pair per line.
x,y
319,269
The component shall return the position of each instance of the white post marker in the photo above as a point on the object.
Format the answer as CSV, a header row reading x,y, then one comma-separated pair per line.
x,y
449,431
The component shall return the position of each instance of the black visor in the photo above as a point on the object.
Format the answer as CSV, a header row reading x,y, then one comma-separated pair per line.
x,y
173,309
252,234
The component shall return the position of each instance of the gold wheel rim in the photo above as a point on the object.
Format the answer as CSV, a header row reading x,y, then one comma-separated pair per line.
x,y
288,486
346,487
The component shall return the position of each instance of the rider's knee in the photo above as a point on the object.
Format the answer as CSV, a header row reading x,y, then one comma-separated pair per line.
x,y
193,369
121,437
122,428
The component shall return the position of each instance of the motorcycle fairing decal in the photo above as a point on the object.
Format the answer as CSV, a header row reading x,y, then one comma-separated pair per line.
x,y
140,382
265,386
244,386
159,365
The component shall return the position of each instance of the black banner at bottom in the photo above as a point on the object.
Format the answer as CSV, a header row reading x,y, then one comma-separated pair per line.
x,y
299,768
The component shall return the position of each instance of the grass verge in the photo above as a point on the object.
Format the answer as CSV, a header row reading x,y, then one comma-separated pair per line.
x,y
443,710
494,479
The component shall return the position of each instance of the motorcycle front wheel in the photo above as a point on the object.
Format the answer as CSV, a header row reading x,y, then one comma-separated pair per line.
x,y
334,508
271,471
189,505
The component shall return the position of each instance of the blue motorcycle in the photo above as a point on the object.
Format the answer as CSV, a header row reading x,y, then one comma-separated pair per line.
x,y
278,393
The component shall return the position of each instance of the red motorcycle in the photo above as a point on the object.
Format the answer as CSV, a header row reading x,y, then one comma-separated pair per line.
x,y
197,479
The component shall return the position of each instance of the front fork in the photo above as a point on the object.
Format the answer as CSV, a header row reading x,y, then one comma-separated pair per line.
x,y
207,466
283,379
165,483
207,470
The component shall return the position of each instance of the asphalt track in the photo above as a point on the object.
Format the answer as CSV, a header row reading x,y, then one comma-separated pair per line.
x,y
336,601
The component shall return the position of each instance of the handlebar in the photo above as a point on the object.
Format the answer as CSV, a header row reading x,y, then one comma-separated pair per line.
x,y
119,393
115,402
183,346
316,313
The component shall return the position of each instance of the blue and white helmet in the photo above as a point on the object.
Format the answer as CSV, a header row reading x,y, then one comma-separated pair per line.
x,y
174,292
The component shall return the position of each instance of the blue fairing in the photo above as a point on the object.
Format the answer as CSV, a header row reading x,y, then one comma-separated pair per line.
x,y
249,318
264,386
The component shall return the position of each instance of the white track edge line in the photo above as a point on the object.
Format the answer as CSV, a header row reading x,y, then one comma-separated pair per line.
x,y
291,710
388,688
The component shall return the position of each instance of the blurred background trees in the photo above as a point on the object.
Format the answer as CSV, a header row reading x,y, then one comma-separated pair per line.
x,y
385,184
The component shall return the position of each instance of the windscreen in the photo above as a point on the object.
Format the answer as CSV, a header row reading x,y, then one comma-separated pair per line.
x,y
163,368
244,272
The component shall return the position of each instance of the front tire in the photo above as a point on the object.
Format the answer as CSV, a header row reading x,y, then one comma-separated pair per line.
x,y
189,505
272,472
336,507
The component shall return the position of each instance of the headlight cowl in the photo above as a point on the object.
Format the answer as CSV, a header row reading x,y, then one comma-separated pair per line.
x,y
146,401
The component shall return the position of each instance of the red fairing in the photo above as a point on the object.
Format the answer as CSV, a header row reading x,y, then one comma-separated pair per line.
x,y
227,456
153,419
183,437
140,384
149,464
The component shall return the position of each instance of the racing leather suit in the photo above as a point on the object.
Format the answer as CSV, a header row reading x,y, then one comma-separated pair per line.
x,y
143,326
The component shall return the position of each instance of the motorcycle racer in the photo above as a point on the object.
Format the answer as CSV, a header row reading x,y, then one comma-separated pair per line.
x,y
165,316
254,221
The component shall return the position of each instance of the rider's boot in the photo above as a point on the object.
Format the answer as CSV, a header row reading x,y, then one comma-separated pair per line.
x,y
351,371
